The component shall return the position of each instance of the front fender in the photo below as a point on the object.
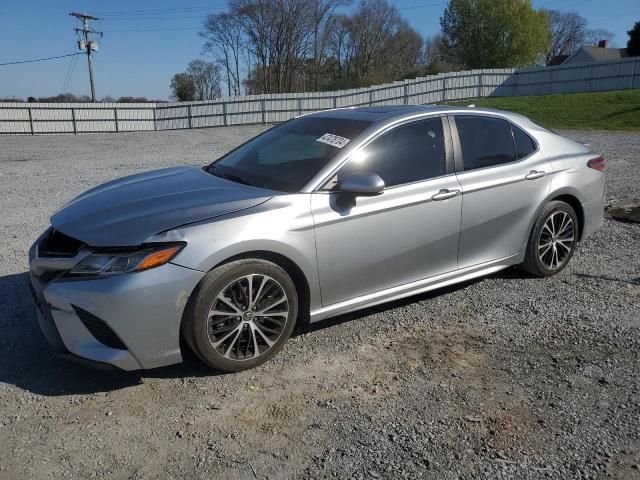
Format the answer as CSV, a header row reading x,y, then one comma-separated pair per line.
x,y
283,226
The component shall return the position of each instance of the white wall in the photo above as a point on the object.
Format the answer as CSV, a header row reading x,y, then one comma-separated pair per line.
x,y
38,118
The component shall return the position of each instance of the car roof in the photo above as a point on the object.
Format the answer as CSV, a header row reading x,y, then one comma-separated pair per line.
x,y
374,114
389,113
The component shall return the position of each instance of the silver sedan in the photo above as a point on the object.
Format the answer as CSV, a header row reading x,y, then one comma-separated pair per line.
x,y
322,215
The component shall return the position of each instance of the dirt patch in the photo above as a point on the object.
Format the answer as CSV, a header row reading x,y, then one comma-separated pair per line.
x,y
625,213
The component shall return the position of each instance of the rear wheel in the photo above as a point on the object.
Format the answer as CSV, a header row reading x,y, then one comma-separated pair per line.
x,y
241,314
552,241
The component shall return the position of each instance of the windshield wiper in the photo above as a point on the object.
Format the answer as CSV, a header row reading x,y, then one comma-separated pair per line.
x,y
214,170
237,179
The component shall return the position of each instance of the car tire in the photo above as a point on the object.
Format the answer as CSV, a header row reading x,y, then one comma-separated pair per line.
x,y
552,241
221,305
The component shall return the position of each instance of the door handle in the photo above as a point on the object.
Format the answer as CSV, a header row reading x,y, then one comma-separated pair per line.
x,y
445,194
533,174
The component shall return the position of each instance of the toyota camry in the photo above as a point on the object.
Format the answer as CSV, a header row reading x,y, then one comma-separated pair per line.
x,y
324,214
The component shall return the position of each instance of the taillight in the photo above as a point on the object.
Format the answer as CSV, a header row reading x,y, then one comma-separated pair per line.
x,y
597,163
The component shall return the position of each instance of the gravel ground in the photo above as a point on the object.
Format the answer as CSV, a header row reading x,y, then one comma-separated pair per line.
x,y
505,377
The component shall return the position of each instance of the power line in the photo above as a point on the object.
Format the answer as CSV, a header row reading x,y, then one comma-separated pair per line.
x,y
601,20
546,5
424,5
38,59
120,13
70,70
64,82
143,19
154,29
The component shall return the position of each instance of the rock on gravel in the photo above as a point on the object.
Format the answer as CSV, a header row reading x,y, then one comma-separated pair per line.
x,y
503,377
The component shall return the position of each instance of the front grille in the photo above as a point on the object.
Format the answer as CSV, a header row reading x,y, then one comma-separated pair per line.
x,y
57,244
99,329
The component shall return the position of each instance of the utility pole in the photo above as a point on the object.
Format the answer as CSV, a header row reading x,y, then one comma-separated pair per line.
x,y
87,44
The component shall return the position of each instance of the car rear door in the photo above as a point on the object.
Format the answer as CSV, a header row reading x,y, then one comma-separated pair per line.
x,y
504,179
407,233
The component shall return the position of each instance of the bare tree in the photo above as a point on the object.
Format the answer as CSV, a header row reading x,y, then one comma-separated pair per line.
x,y
373,26
298,45
324,23
257,18
380,44
279,38
340,48
596,35
225,41
432,50
569,31
404,53
206,79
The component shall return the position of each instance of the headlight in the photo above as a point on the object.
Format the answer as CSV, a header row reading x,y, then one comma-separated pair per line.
x,y
112,263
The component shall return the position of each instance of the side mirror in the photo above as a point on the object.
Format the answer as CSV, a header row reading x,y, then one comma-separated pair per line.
x,y
362,183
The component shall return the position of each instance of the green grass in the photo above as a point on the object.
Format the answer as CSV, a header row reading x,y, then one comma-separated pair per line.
x,y
619,110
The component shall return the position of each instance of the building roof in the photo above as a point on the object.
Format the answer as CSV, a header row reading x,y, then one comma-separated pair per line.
x,y
596,54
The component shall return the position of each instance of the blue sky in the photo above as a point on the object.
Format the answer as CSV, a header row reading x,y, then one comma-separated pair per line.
x,y
142,50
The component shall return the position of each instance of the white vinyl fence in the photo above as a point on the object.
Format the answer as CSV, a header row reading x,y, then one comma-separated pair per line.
x,y
43,118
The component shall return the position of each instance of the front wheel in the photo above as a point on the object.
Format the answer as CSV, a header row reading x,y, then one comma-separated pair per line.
x,y
552,241
241,314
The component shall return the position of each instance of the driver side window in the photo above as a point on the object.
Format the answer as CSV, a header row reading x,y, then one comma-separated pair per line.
x,y
409,153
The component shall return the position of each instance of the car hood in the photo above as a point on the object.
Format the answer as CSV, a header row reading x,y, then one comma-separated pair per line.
x,y
130,210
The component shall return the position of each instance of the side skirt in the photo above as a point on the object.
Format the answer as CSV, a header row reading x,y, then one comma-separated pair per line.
x,y
413,288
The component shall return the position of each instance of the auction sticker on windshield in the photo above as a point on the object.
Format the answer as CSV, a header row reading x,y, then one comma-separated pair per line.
x,y
333,140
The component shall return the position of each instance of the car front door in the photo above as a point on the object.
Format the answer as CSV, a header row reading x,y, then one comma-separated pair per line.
x,y
409,232
504,179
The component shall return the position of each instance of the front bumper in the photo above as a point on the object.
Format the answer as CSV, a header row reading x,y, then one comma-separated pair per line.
x,y
143,309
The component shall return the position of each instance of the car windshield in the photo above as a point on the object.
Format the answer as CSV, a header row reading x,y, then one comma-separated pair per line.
x,y
288,156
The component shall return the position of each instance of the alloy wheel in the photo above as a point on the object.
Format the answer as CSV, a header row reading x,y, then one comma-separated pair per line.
x,y
557,238
247,317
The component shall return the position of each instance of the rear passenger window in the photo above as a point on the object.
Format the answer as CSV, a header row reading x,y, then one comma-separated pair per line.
x,y
525,145
485,141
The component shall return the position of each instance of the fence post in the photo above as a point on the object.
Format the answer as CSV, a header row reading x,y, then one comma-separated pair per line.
x,y
299,106
480,85
444,89
73,120
263,104
589,80
633,71
371,98
155,126
550,82
31,120
115,117
225,122
405,92
515,84
335,99
189,114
